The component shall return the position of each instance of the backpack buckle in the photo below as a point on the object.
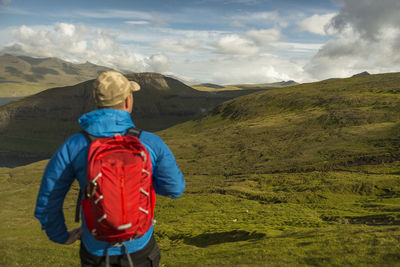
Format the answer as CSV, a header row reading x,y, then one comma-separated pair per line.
x,y
94,183
91,194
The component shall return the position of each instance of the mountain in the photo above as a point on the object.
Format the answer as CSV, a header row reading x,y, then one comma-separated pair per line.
x,y
208,85
287,83
364,73
315,126
32,128
262,86
22,75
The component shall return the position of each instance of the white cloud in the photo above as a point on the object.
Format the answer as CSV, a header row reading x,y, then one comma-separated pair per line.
x,y
179,46
115,13
264,36
316,23
261,68
259,19
79,43
298,47
159,63
136,22
235,45
257,16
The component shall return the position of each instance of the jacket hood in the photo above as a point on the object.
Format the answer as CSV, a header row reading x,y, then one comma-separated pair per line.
x,y
106,122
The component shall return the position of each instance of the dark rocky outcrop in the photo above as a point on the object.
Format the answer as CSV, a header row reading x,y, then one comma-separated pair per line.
x,y
364,73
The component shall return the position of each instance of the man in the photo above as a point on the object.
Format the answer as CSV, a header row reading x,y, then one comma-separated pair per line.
x,y
114,99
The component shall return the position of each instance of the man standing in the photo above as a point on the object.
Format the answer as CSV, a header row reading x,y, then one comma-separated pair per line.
x,y
114,99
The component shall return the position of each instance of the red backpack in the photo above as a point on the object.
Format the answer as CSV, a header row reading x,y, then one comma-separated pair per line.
x,y
119,197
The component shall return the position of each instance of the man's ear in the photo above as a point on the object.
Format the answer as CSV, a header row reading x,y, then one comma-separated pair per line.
x,y
126,102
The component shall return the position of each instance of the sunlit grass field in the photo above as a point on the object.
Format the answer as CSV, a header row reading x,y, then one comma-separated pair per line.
x,y
335,218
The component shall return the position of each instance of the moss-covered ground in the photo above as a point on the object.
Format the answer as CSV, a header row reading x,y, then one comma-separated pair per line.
x,y
336,218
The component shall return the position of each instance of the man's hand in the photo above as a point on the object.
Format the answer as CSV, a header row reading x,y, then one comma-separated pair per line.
x,y
73,236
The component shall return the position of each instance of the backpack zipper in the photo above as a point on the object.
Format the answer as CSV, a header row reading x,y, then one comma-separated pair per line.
x,y
123,205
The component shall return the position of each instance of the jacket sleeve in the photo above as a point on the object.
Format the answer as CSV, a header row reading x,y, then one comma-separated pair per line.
x,y
56,181
167,178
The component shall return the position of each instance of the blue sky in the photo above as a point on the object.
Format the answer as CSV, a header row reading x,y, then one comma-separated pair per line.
x,y
220,41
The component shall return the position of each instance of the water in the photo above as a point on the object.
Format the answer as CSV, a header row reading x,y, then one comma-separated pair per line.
x,y
9,82
6,100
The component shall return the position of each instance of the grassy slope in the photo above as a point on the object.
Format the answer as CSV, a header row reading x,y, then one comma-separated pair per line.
x,y
264,86
336,203
307,127
23,76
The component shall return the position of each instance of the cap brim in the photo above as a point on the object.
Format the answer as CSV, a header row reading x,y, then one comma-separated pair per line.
x,y
134,86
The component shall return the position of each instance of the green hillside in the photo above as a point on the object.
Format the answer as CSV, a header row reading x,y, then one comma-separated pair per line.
x,y
302,176
22,75
209,87
317,126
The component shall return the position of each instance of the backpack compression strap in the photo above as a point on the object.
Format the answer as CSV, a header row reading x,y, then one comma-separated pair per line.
x,y
90,138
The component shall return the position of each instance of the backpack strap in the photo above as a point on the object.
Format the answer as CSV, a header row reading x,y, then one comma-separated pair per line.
x,y
78,206
90,138
134,132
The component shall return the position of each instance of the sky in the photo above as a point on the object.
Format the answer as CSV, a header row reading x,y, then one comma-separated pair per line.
x,y
213,41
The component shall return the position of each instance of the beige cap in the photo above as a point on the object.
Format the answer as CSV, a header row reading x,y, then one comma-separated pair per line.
x,y
111,88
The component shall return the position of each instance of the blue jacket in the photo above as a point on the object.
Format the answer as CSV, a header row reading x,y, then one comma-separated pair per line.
x,y
69,163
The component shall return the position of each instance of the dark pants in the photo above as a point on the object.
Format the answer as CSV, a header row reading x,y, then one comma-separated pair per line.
x,y
149,256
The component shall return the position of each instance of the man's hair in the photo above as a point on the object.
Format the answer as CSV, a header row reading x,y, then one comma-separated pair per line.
x,y
117,106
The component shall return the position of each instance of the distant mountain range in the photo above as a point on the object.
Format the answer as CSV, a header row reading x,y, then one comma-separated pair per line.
x,y
22,75
265,86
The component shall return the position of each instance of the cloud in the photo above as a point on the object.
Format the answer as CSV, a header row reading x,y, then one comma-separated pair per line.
x,y
367,17
115,14
258,19
260,68
316,23
234,44
179,46
65,38
264,36
79,43
367,38
136,22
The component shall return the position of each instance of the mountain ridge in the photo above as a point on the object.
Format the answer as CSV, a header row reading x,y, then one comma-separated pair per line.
x,y
23,75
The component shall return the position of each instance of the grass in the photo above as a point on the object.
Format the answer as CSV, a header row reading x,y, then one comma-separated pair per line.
x,y
20,89
317,126
335,218
23,76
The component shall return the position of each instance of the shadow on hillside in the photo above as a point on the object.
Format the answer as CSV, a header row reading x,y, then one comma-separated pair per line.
x,y
13,159
205,240
371,220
